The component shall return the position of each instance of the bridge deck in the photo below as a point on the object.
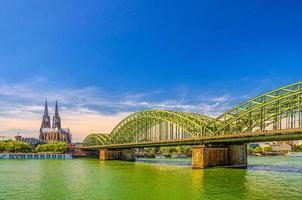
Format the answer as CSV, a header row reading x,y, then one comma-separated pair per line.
x,y
272,135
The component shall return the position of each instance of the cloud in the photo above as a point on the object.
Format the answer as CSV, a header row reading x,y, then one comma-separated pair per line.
x,y
221,99
92,109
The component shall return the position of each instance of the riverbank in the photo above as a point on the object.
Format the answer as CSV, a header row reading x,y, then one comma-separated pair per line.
x,y
34,156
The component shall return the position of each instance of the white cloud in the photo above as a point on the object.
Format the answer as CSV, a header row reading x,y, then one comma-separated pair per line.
x,y
90,109
221,99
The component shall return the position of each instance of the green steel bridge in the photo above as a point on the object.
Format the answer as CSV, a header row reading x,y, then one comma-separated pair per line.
x,y
221,141
275,115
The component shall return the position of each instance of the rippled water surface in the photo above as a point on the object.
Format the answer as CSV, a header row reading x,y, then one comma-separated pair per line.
x,y
265,178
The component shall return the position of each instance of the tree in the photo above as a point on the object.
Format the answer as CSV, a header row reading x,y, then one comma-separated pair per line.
x,y
149,150
258,150
164,150
186,149
268,149
2,146
297,148
173,150
250,150
178,149
14,146
53,147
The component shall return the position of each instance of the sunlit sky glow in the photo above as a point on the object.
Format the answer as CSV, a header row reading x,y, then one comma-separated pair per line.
x,y
103,60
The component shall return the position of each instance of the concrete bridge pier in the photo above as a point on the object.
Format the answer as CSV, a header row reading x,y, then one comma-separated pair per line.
x,y
214,156
125,154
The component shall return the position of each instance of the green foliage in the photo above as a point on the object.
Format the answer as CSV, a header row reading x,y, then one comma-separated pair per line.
x,y
2,146
183,149
258,150
167,150
176,150
164,150
250,150
53,147
297,148
14,146
149,150
268,149
22,147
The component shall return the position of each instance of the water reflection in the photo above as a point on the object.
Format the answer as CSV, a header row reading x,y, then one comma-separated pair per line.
x,y
92,179
197,183
272,168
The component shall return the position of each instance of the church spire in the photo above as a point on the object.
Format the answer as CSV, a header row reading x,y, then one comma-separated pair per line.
x,y
46,118
45,109
57,110
56,118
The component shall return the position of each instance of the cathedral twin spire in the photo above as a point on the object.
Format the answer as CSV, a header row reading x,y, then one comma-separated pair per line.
x,y
46,118
55,132
56,122
46,109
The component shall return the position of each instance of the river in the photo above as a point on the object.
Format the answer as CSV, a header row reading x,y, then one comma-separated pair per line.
x,y
89,179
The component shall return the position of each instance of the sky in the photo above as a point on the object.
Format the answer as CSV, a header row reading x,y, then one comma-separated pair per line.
x,y
105,59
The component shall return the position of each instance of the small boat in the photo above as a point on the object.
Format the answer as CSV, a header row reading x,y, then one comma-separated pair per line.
x,y
292,154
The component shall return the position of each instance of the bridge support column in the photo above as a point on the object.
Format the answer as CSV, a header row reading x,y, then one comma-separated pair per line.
x,y
106,154
213,156
238,155
125,154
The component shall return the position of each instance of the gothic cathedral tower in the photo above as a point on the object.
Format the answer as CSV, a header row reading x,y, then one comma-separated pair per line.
x,y
53,133
56,122
45,119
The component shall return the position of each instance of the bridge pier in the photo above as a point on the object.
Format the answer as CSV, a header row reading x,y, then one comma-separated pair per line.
x,y
213,156
125,154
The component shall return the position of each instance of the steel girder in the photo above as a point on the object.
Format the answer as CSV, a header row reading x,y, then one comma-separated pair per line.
x,y
129,129
96,139
132,127
254,115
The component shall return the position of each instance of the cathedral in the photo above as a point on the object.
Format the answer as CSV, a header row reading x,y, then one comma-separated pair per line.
x,y
55,132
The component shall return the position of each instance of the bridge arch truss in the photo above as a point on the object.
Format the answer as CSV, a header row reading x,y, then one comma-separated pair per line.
x,y
277,109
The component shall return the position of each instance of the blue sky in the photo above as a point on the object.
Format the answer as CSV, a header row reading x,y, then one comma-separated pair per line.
x,y
105,59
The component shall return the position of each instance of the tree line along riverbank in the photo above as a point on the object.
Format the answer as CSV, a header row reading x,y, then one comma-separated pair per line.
x,y
22,147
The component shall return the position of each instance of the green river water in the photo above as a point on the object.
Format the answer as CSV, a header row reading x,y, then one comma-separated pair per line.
x,y
89,179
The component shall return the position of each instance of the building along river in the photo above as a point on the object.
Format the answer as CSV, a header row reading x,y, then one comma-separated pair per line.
x,y
89,179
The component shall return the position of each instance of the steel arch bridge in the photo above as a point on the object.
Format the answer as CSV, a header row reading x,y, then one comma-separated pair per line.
x,y
276,110
96,139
